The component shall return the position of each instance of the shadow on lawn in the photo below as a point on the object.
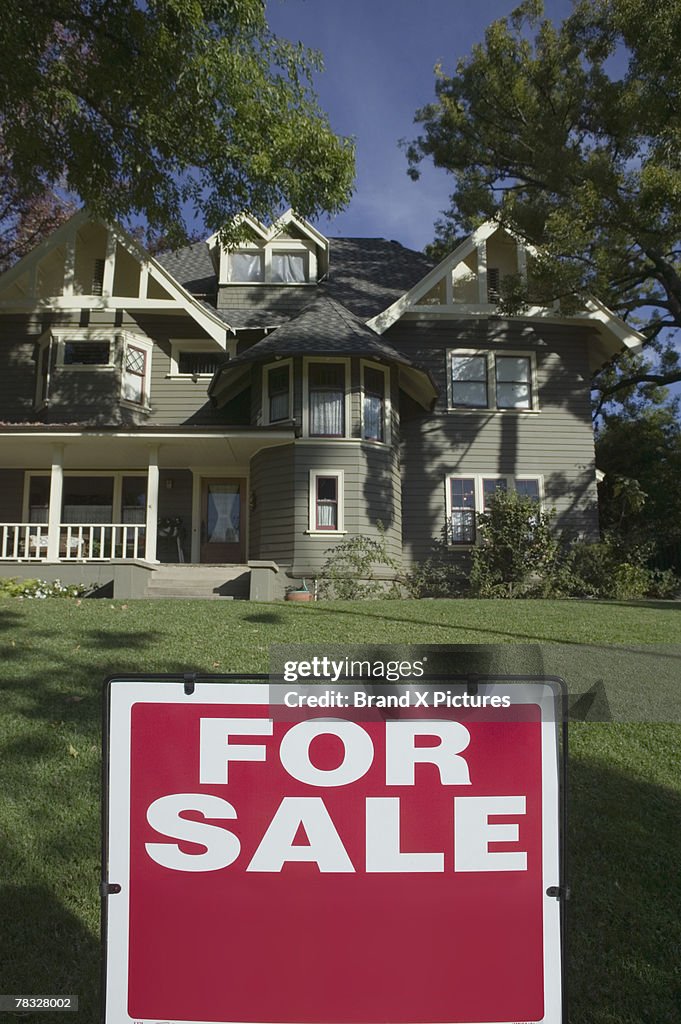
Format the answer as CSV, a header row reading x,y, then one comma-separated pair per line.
x,y
624,917
45,950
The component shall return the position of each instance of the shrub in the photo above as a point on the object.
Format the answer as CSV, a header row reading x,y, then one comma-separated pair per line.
x,y
608,569
517,554
439,575
350,569
39,589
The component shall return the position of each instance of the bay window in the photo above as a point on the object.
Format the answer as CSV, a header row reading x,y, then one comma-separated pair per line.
x,y
326,399
374,404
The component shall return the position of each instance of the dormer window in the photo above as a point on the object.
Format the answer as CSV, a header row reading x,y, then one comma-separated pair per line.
x,y
289,268
246,267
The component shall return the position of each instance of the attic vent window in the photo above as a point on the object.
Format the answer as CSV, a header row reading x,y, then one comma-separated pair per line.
x,y
493,281
200,363
98,277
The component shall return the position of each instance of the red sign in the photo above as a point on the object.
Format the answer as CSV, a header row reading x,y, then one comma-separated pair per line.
x,y
329,870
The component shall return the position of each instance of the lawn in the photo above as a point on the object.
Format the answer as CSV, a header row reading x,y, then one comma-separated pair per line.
x,y
625,784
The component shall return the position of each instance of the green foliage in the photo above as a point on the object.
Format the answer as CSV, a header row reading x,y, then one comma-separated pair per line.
x,y
152,109
39,589
440,575
349,573
607,569
518,548
640,496
570,134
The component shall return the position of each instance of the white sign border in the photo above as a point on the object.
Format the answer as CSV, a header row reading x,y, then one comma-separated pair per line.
x,y
122,694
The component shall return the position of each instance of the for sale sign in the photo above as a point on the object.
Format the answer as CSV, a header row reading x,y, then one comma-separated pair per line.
x,y
282,856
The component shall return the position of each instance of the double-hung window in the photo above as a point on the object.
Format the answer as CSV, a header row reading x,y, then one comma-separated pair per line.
x,y
374,404
326,501
466,496
278,389
499,381
326,399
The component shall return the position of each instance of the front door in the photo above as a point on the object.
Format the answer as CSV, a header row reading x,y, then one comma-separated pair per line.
x,y
223,520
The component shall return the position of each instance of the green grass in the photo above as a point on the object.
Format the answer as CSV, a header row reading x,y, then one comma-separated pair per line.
x,y
625,913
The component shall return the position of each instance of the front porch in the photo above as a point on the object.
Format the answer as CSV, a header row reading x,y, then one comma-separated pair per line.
x,y
142,496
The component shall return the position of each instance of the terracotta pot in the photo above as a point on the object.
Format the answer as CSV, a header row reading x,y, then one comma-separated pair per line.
x,y
300,595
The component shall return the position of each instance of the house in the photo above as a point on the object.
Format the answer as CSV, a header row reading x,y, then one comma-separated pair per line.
x,y
254,407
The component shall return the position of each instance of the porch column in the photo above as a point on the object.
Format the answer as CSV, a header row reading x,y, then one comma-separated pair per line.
x,y
56,493
152,506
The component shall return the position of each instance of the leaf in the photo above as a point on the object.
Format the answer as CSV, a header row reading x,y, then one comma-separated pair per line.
x,y
72,751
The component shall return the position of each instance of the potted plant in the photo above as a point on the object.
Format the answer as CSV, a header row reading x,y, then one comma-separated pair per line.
x,y
303,594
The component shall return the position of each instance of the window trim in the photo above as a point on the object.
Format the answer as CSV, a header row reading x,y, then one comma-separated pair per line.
x,y
265,249
491,357
478,494
178,345
64,337
365,364
345,362
278,364
313,529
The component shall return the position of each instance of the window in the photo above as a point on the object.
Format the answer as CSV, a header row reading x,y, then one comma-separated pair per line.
x,y
513,382
374,404
469,381
289,268
197,364
98,277
468,495
493,283
246,267
134,375
86,353
505,381
326,501
326,395
277,386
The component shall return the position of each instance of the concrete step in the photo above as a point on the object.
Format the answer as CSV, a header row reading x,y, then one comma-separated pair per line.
x,y
200,581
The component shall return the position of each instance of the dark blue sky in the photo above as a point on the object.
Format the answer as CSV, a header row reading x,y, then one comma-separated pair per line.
x,y
379,57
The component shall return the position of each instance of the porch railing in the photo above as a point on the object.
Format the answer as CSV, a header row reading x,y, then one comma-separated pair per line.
x,y
23,541
82,542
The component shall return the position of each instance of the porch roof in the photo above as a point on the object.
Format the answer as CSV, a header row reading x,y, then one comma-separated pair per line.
x,y
30,446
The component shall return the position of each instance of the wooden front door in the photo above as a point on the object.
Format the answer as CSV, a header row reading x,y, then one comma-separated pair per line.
x,y
223,520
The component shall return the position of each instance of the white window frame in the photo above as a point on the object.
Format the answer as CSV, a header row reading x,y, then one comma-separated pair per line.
x,y
137,341
312,529
277,365
306,397
294,246
64,337
478,493
115,474
491,357
178,345
387,409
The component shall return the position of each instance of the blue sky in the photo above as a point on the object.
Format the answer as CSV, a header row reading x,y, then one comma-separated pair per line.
x,y
379,57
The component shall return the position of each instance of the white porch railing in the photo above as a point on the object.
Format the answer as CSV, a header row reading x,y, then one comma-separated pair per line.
x,y
84,542
23,541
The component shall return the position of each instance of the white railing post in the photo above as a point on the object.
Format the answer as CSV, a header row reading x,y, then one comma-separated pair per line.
x,y
56,492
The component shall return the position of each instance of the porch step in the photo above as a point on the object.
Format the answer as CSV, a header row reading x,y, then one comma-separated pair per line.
x,y
207,582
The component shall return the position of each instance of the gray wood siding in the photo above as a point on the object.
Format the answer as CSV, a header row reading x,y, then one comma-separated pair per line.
x,y
556,442
271,521
371,493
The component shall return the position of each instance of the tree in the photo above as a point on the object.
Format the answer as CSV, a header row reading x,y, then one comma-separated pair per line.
x,y
640,496
156,109
571,136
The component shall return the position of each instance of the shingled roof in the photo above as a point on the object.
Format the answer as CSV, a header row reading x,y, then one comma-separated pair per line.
x,y
366,275
325,328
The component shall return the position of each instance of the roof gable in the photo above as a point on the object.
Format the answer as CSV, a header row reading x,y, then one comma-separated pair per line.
x,y
87,264
466,283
